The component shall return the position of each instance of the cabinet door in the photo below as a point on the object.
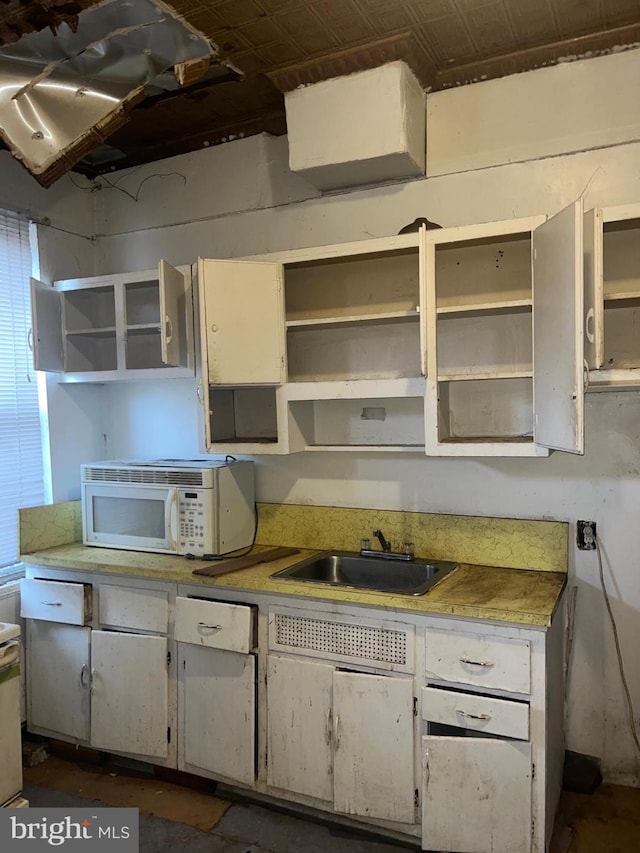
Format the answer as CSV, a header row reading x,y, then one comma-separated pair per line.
x,y
216,707
129,693
299,726
373,760
58,678
242,322
173,316
558,323
593,289
46,320
477,795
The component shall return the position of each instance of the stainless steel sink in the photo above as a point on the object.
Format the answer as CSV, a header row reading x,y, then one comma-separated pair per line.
x,y
349,569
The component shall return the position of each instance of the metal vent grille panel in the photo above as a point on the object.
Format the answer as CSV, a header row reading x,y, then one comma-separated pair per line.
x,y
339,638
143,477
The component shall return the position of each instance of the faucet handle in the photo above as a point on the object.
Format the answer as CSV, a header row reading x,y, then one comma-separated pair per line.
x,y
365,544
407,548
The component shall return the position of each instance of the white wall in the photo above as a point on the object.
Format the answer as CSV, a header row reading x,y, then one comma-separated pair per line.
x,y
569,107
240,199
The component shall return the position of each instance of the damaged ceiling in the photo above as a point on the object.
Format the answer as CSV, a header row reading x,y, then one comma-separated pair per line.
x,y
263,48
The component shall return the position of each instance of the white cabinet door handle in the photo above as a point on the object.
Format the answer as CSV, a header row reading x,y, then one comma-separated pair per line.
x,y
476,662
83,674
481,717
199,393
589,331
337,732
52,603
168,328
210,627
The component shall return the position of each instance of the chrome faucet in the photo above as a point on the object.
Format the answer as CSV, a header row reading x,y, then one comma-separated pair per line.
x,y
386,553
386,546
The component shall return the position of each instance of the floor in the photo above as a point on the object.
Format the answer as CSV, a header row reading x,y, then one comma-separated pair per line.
x,y
173,816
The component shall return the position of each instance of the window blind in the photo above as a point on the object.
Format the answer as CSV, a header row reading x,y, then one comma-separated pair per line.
x,y
21,471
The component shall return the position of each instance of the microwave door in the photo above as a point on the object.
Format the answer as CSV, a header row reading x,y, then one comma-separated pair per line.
x,y
133,517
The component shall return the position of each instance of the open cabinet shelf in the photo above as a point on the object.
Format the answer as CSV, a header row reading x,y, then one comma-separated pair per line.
x,y
485,353
129,326
612,273
355,415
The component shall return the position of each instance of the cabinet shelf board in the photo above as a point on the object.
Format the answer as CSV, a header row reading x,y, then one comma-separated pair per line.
x,y
354,389
143,328
613,379
374,448
488,446
495,307
622,296
466,377
98,332
354,320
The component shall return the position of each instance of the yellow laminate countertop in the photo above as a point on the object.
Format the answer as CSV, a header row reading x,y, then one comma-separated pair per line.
x,y
477,592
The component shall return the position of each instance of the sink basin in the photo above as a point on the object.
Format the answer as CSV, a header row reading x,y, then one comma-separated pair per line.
x,y
349,569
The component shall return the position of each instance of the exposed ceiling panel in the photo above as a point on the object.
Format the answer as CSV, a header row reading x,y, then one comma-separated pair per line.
x,y
278,45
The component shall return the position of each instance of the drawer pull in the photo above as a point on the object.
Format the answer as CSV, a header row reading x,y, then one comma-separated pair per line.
x,y
481,717
52,603
476,662
210,627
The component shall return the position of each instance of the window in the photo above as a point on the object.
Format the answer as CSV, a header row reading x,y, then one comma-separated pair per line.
x,y
21,471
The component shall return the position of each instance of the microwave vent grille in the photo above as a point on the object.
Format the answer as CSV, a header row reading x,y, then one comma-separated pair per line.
x,y
143,477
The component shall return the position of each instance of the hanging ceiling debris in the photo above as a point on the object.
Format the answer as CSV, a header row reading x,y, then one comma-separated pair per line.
x,y
66,88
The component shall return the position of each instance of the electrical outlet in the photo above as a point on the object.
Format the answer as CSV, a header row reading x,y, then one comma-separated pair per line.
x,y
586,535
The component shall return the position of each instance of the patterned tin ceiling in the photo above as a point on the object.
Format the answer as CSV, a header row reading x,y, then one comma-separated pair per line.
x,y
277,45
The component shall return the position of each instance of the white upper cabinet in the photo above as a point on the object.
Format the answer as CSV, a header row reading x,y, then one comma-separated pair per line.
x,y
495,375
337,327
129,326
241,322
612,296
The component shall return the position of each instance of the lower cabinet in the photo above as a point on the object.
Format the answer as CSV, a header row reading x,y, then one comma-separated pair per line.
x,y
489,781
106,689
425,727
58,672
129,694
217,713
341,736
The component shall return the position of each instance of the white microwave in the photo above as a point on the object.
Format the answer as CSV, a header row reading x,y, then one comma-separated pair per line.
x,y
171,506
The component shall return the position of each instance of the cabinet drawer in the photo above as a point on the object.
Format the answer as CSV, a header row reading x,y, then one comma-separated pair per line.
x,y
217,624
484,714
142,609
55,601
500,663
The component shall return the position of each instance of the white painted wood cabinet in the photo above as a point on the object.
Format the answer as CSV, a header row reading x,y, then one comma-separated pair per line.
x,y
58,679
217,713
104,328
612,297
426,728
488,783
456,341
216,688
130,694
101,688
504,337
344,737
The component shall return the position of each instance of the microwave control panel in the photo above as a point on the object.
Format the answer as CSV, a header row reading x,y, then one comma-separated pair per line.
x,y
191,521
